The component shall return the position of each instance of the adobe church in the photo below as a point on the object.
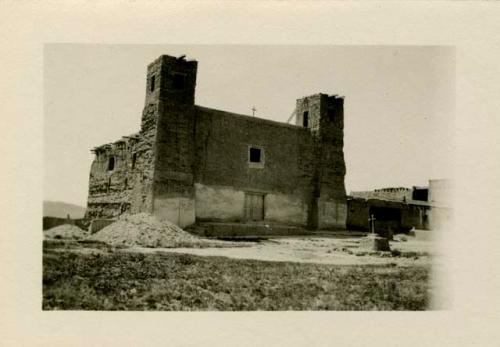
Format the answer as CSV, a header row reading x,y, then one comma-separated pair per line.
x,y
191,164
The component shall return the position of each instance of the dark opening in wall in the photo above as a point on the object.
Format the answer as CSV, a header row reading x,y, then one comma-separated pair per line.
x,y
305,119
126,183
111,164
178,81
134,160
255,155
152,84
331,114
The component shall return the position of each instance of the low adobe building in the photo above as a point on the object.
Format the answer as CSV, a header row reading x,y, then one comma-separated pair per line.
x,y
191,164
401,209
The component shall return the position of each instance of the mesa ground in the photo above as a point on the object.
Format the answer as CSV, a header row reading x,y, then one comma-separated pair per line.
x,y
166,281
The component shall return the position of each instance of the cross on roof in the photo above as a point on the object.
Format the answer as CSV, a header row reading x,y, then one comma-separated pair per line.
x,y
372,223
253,111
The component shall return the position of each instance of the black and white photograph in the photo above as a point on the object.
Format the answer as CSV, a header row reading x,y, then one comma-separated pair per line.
x,y
249,173
236,178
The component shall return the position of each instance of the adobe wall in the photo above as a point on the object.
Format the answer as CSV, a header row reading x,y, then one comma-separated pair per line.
x,y
358,214
397,194
359,210
190,162
222,172
128,187
326,122
415,216
109,189
441,198
173,177
172,93
51,222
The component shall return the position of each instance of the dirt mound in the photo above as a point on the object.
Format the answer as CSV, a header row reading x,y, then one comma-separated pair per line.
x,y
65,231
145,230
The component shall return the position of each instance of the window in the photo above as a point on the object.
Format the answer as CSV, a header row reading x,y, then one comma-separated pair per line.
x,y
134,160
178,81
255,155
126,183
111,164
331,114
305,119
152,84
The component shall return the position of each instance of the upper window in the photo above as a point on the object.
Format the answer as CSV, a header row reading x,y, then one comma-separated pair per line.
x,y
305,119
256,157
152,84
178,81
111,164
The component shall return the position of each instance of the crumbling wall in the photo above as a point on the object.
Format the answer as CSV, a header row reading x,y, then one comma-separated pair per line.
x,y
141,199
109,185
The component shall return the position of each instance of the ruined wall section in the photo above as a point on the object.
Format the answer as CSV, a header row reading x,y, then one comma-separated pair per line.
x,y
141,198
110,184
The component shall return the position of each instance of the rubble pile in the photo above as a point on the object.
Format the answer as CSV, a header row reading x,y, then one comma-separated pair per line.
x,y
65,232
145,230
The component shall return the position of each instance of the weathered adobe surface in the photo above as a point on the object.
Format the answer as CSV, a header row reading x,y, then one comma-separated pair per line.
x,y
221,143
180,144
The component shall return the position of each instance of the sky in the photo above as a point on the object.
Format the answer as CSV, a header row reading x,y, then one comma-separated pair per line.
x,y
398,108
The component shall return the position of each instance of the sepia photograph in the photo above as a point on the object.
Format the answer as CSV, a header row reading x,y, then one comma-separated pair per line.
x,y
249,173
246,177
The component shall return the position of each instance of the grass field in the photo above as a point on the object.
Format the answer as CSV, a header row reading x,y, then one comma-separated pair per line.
x,y
128,281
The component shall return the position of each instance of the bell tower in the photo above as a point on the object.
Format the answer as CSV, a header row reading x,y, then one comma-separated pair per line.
x,y
167,123
323,115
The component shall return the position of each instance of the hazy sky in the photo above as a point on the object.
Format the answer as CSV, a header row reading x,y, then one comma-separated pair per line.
x,y
399,103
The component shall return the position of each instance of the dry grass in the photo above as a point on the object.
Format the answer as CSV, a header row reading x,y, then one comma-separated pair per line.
x,y
126,281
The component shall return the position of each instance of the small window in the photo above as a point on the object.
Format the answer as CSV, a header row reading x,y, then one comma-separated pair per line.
x,y
152,84
111,164
126,183
178,81
305,119
255,155
134,160
331,114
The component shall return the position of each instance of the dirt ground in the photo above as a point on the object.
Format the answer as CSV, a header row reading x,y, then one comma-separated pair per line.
x,y
320,250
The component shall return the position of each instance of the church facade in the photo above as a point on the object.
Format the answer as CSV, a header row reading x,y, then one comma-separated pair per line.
x,y
190,164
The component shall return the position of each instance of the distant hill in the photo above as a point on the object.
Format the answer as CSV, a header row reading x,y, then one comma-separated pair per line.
x,y
62,209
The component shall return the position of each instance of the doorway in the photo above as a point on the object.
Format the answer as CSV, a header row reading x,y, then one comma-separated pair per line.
x,y
254,207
